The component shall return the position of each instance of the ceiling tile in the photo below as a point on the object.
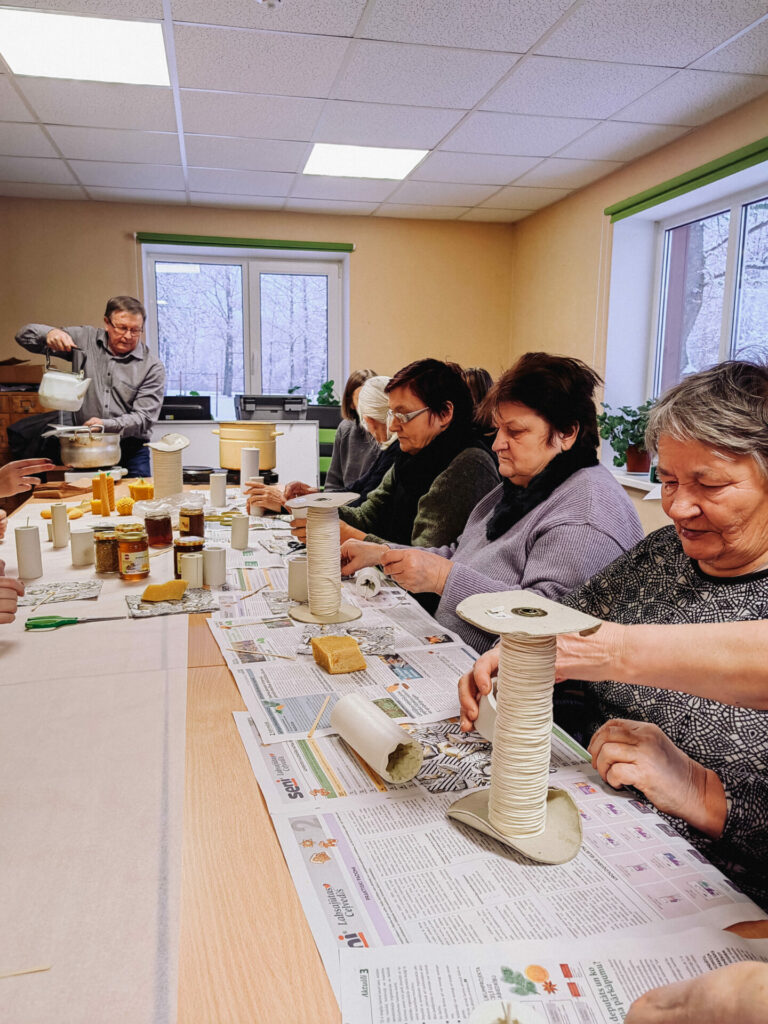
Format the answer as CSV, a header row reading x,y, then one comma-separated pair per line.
x,y
377,124
420,212
747,55
557,173
472,168
237,201
246,154
35,169
10,104
326,17
242,114
98,8
495,216
515,134
24,140
24,189
115,145
333,206
621,140
694,97
137,195
430,193
438,77
510,25
127,176
100,104
572,88
365,190
259,183
247,61
515,197
650,31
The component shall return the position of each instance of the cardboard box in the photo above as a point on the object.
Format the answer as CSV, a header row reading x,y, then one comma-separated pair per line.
x,y
21,373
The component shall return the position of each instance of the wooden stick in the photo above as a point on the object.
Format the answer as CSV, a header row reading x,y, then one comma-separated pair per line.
x,y
47,596
266,654
24,970
242,597
311,732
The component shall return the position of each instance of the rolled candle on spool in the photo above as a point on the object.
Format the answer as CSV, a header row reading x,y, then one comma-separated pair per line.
x,y
218,489
59,525
239,538
214,566
81,542
191,567
386,747
29,558
249,465
256,510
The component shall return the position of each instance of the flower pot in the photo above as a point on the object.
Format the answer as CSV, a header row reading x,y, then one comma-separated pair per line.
x,y
638,460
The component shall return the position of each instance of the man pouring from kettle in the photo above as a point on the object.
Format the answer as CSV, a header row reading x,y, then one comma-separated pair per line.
x,y
127,381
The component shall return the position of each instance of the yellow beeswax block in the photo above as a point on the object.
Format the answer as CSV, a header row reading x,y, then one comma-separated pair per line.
x,y
142,490
124,506
96,506
45,513
75,513
173,590
337,654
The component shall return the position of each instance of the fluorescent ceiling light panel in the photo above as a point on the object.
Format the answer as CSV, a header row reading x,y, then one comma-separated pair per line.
x,y
89,49
362,161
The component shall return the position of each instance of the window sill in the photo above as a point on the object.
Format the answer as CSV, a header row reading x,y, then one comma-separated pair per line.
x,y
638,481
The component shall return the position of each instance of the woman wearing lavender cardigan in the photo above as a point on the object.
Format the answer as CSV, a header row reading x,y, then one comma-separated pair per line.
x,y
556,519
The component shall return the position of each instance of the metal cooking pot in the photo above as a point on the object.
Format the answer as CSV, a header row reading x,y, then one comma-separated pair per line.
x,y
87,447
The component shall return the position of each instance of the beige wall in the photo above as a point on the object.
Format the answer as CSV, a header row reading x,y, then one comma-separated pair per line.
x,y
562,253
418,288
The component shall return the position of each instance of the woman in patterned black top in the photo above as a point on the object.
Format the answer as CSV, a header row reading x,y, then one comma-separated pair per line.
x,y
702,762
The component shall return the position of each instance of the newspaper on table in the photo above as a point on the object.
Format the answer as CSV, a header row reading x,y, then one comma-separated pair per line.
x,y
567,982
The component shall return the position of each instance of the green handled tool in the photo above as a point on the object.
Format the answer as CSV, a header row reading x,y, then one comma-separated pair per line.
x,y
55,621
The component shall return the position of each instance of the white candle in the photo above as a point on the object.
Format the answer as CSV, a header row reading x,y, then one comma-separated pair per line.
x,y
256,510
28,555
239,538
191,568
297,579
249,465
218,488
60,525
81,542
214,566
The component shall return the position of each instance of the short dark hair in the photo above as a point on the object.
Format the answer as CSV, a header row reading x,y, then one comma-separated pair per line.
x,y
354,381
124,304
479,381
436,384
560,389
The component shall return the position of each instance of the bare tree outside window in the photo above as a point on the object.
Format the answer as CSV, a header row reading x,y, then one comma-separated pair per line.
x,y
750,340
294,333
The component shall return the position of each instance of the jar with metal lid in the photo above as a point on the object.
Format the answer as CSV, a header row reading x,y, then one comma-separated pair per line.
x,y
159,528
185,546
105,548
133,555
191,519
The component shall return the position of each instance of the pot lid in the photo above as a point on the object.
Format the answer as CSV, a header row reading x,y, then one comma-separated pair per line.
x,y
169,443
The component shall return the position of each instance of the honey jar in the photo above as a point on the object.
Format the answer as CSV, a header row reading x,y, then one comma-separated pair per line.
x,y
191,520
133,555
159,529
105,548
185,546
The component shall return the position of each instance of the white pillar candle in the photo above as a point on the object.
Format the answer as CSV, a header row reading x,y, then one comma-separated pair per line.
x,y
191,568
297,579
256,510
60,525
81,542
239,538
49,528
28,556
218,489
214,566
249,465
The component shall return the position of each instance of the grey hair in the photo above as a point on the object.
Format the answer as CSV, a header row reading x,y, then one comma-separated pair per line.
x,y
725,408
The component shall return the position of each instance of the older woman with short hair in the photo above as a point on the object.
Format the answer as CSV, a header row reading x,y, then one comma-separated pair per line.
x,y
555,520
703,763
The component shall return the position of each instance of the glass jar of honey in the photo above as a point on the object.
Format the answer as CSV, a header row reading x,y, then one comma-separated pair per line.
x,y
185,546
159,529
191,519
105,548
133,555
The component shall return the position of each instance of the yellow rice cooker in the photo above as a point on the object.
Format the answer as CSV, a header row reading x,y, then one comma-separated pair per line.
x,y
238,434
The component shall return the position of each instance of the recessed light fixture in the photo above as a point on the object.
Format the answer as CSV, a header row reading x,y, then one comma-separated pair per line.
x,y
90,49
362,161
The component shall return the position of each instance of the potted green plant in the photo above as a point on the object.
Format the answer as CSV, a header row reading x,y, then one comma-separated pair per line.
x,y
625,430
327,409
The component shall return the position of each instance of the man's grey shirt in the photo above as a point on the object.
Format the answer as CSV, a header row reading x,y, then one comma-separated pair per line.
x,y
126,392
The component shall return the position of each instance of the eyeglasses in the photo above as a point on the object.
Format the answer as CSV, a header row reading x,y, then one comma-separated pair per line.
x,y
127,331
405,417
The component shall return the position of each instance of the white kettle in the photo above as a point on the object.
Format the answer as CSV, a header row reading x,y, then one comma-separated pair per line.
x,y
59,390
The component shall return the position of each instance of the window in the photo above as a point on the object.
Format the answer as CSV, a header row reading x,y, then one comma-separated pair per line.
x,y
227,322
713,288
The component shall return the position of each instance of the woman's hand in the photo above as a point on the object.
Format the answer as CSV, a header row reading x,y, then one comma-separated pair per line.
x,y
10,592
358,554
738,992
15,476
415,570
3,525
639,754
297,489
593,657
476,683
261,495
299,529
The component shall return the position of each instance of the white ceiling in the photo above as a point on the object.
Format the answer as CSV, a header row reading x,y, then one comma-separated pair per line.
x,y
519,101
